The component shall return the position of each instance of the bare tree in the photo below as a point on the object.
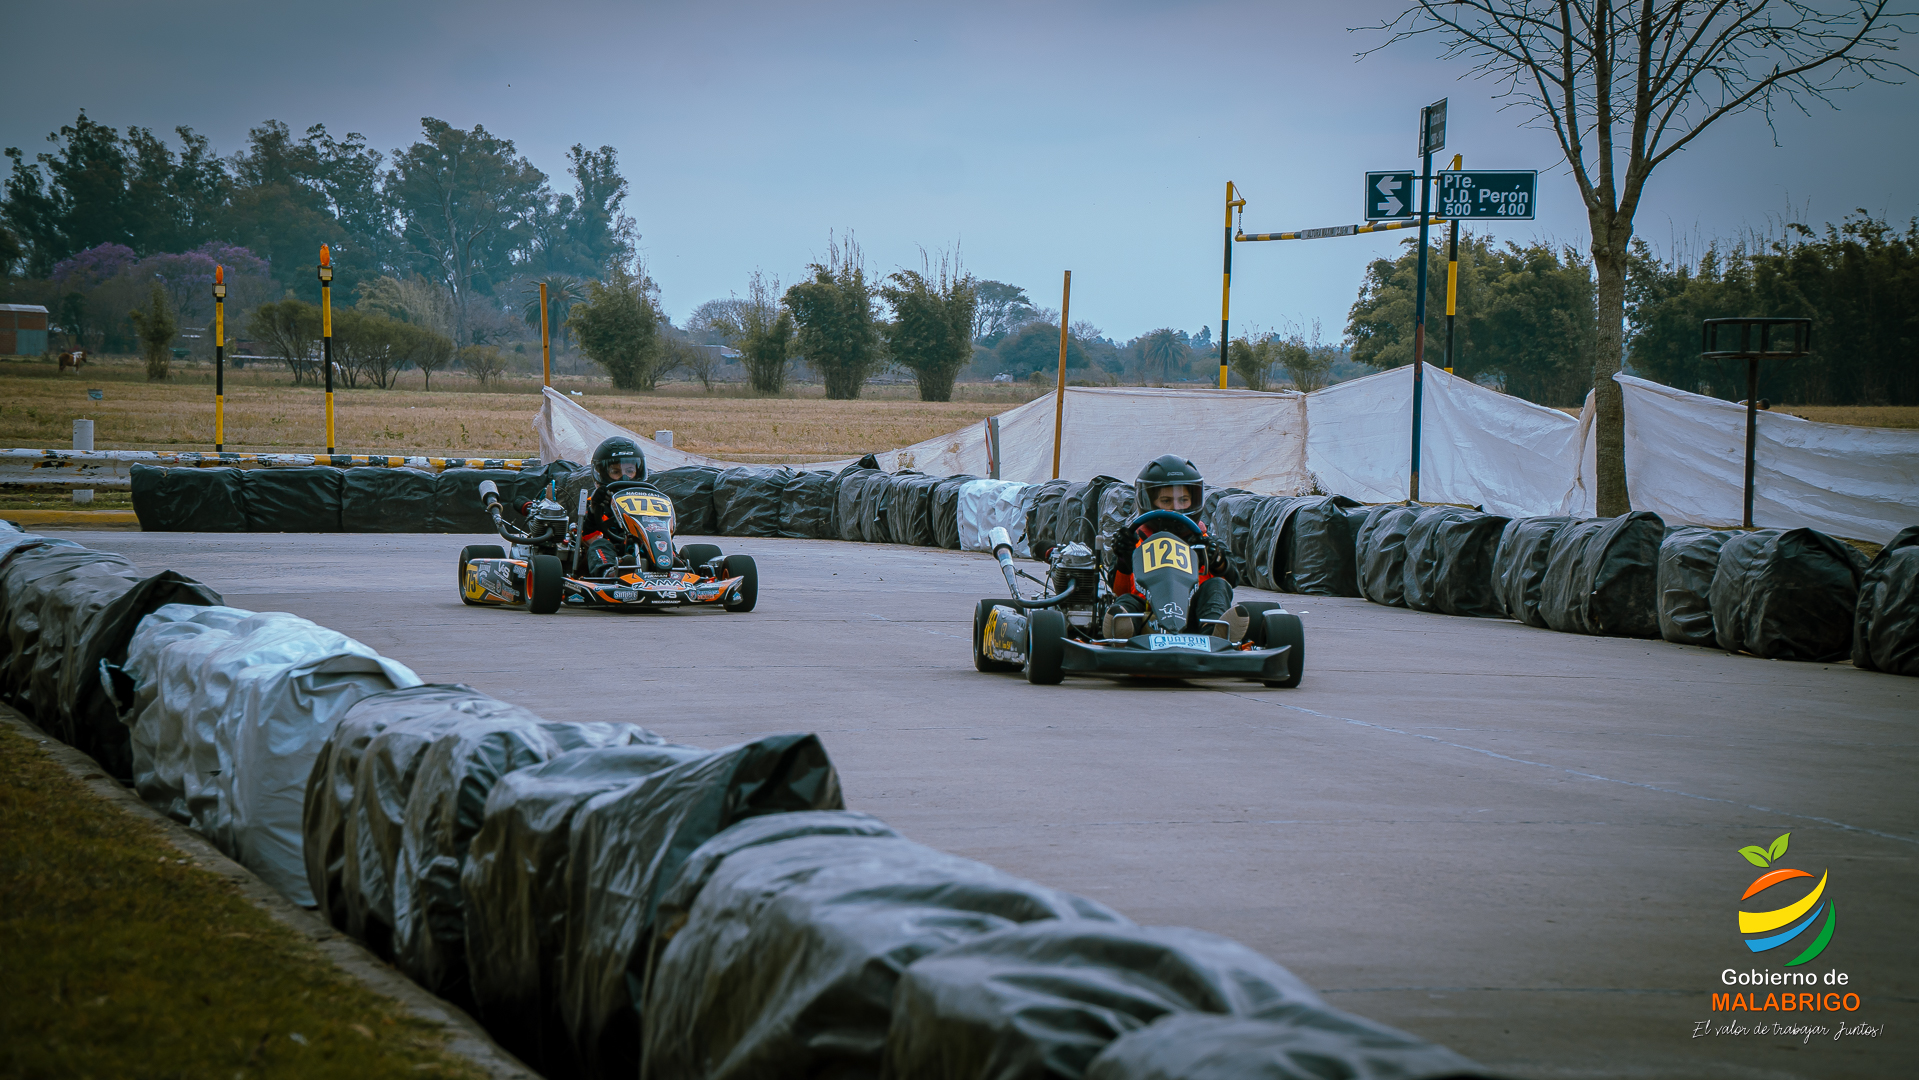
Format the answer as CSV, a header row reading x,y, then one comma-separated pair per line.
x,y
1626,85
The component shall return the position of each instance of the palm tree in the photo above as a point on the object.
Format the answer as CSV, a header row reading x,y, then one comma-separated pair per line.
x,y
1164,348
562,292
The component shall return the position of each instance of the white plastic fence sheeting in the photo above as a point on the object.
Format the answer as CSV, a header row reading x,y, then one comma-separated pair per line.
x,y
1477,446
1686,462
568,431
230,710
987,504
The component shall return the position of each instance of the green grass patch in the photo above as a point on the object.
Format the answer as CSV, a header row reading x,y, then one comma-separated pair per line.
x,y
60,497
119,959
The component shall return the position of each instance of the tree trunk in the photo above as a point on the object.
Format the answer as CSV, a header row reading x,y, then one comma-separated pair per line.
x,y
1609,405
936,385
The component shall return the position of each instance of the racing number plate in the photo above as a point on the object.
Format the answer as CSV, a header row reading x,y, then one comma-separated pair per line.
x,y
1180,641
1167,551
640,504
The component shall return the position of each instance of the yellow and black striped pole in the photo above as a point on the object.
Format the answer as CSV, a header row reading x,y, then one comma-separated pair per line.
x,y
219,359
326,336
1452,275
1226,286
546,343
1336,230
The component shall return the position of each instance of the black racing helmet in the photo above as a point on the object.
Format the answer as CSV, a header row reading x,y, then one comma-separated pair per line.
x,y
1169,470
618,450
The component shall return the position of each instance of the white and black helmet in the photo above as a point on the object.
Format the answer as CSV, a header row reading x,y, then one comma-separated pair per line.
x,y
1169,470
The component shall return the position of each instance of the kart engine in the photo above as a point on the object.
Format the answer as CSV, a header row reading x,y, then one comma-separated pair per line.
x,y
1076,564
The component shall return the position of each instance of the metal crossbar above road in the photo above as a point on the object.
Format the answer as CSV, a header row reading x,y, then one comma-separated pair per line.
x,y
1338,230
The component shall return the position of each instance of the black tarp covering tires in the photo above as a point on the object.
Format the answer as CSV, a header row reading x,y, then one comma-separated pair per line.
x,y
1602,577
1519,566
1318,1046
806,506
189,500
691,489
1449,563
305,499
386,500
746,500
876,508
515,889
788,958
456,499
1046,998
1786,594
1042,515
1314,552
1886,619
946,525
1232,523
1078,521
444,810
65,611
1687,559
1381,549
626,848
909,516
851,501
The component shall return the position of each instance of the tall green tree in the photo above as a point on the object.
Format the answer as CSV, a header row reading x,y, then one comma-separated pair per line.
x,y
156,328
1000,309
292,194
833,314
766,334
1035,347
932,329
1625,86
464,199
1165,349
618,327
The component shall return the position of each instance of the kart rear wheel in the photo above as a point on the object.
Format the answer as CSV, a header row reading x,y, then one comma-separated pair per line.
x,y
1284,628
467,555
543,574
982,662
748,591
698,555
1045,646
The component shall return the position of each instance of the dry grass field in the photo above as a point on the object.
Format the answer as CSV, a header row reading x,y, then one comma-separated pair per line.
x,y
265,414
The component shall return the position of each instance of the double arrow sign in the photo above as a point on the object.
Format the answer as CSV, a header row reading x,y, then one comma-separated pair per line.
x,y
1503,194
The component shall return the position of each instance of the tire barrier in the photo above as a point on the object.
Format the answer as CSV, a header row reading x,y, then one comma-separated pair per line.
x,y
66,615
1886,621
747,500
1231,521
1313,549
1042,515
1053,997
985,505
946,519
1787,594
1519,566
909,518
850,501
1381,553
1115,508
322,498
1449,564
229,711
1198,1046
1602,577
691,489
626,849
808,501
1688,556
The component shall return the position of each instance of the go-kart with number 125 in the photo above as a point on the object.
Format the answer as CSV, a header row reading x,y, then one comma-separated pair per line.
x,y
545,568
1077,629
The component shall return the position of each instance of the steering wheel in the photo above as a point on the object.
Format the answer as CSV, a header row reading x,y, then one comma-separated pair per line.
x,y
1167,521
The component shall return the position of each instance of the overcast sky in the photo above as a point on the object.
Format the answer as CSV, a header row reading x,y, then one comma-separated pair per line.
x,y
1037,138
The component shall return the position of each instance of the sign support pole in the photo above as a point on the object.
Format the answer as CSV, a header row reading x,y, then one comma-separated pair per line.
x,y
1059,392
1226,286
1419,315
546,343
326,336
219,359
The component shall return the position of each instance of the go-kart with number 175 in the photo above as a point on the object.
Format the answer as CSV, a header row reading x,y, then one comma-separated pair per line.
x,y
545,569
1078,630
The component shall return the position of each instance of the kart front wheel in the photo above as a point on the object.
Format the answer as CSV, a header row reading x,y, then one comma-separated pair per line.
x,y
698,555
1284,628
543,574
747,592
467,555
981,661
1045,647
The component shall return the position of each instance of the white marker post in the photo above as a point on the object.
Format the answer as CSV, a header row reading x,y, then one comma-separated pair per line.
x,y
83,440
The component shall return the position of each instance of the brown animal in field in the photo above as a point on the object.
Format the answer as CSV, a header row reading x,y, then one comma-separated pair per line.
x,y
74,360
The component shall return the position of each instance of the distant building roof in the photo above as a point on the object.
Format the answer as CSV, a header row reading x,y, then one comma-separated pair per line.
x,y
23,307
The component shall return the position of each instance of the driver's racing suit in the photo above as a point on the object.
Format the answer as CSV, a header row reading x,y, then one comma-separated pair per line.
x,y
1210,600
602,534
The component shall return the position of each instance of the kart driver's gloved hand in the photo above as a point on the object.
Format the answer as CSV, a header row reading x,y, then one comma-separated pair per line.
x,y
1220,561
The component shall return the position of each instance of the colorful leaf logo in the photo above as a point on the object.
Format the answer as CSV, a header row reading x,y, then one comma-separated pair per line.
x,y
1793,918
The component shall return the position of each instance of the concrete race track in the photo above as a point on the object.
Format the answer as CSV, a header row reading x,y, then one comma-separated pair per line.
x,y
1518,843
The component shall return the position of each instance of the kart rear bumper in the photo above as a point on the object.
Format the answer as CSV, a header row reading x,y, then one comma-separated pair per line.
x,y
1264,664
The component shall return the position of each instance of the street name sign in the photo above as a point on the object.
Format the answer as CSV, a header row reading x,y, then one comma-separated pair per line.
x,y
1390,195
1481,194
